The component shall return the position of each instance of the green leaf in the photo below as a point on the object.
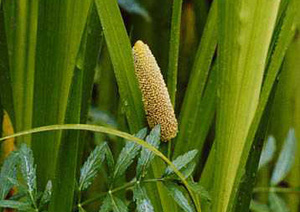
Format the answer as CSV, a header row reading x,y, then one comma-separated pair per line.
x,y
8,170
142,200
117,204
15,205
147,156
28,171
178,196
121,56
190,107
133,6
201,191
245,32
106,205
128,153
174,49
277,204
258,207
6,94
46,195
71,145
109,159
286,159
189,169
181,161
267,152
91,167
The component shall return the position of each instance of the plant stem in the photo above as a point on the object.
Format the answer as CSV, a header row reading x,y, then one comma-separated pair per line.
x,y
125,186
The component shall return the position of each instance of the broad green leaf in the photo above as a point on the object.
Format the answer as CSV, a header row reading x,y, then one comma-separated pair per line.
x,y
258,207
28,171
267,152
133,6
128,153
46,195
106,204
141,199
59,32
245,31
117,204
147,156
91,167
178,196
277,204
285,159
15,205
182,160
8,170
283,40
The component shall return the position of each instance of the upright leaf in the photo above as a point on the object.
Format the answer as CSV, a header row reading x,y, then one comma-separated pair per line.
x,y
60,28
91,167
8,170
179,197
245,32
194,93
181,161
106,204
46,195
117,204
128,153
267,152
146,155
286,159
117,39
28,171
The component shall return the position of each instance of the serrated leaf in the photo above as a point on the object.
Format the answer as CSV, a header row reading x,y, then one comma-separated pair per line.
x,y
267,152
8,170
106,205
109,158
258,207
142,200
181,161
178,196
91,167
47,194
146,155
200,190
132,6
28,171
189,169
117,204
285,159
15,205
128,153
277,204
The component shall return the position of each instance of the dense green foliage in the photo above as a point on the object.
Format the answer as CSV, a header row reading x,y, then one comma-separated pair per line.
x,y
72,111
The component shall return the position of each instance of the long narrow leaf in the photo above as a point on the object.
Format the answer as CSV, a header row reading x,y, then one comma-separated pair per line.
x,y
120,53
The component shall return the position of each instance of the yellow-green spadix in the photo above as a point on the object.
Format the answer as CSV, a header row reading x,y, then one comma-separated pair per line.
x,y
156,99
